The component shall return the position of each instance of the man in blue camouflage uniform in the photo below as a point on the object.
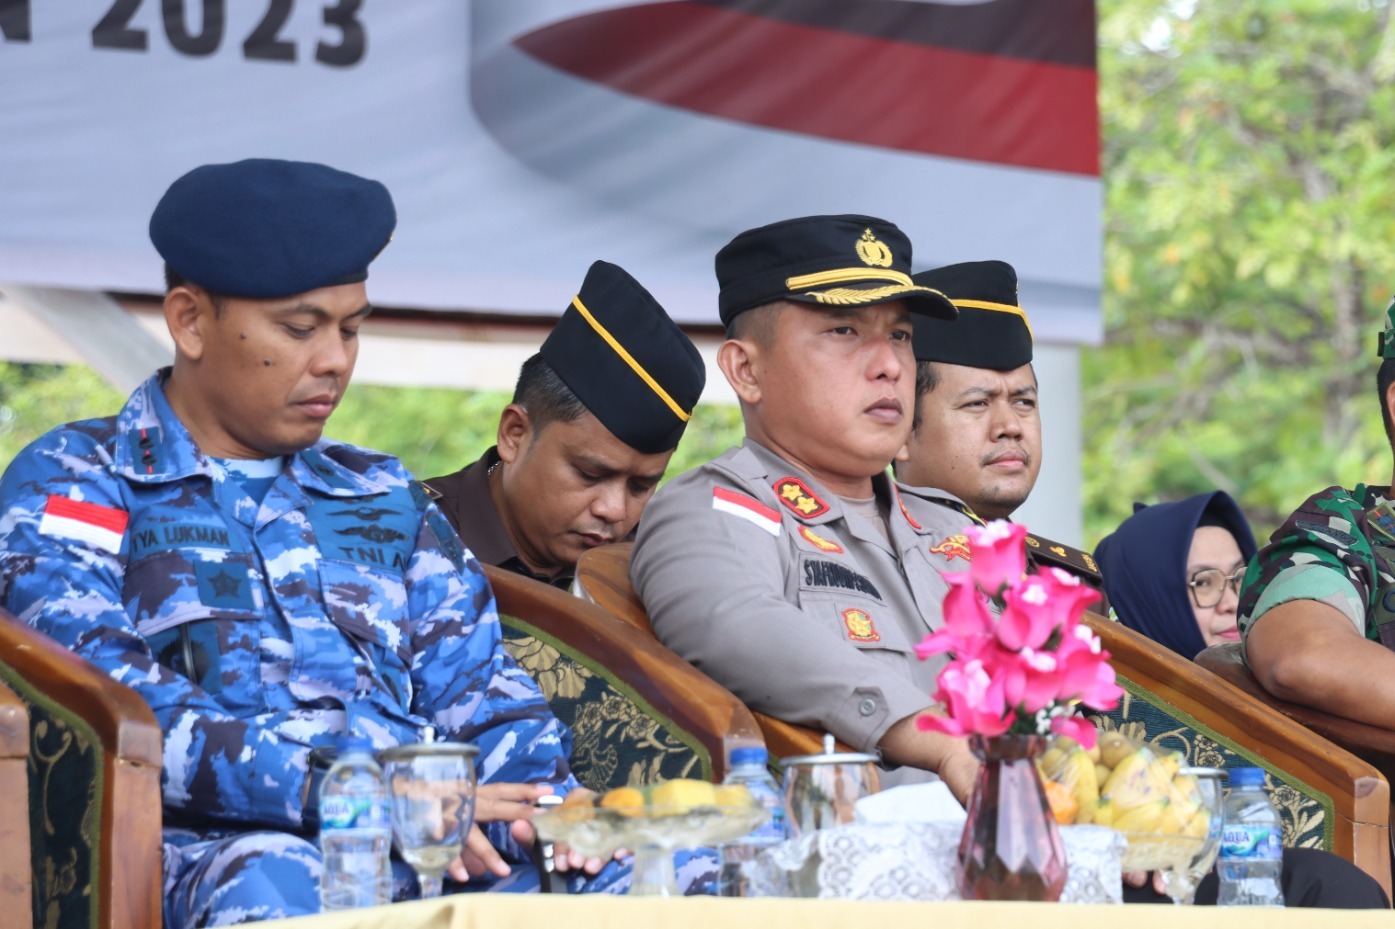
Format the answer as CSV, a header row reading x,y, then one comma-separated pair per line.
x,y
264,590
1317,613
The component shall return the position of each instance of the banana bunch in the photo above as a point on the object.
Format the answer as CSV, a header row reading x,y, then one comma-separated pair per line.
x,y
1133,788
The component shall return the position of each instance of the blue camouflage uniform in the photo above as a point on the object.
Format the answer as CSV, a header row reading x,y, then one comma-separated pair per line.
x,y
342,603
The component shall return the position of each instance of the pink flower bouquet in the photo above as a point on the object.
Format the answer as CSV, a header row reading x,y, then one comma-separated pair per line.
x,y
1026,669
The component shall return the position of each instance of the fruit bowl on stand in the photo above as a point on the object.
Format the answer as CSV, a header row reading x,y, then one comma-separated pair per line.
x,y
1169,814
652,831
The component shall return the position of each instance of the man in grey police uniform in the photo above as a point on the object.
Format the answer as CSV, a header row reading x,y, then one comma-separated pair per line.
x,y
792,569
976,432
595,418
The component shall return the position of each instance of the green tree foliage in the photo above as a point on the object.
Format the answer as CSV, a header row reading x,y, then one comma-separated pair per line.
x,y
1250,211
35,398
433,430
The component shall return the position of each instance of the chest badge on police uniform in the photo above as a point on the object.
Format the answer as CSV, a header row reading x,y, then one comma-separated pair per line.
x,y
796,495
956,546
859,626
819,542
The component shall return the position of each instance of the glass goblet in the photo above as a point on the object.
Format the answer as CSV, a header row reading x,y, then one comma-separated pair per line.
x,y
433,804
1181,878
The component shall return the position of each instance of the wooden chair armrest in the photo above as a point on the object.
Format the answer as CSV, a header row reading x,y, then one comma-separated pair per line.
x,y
1365,741
693,701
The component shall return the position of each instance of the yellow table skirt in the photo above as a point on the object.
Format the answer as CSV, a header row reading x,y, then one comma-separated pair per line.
x,y
544,911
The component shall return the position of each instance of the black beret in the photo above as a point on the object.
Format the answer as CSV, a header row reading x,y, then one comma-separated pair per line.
x,y
268,228
991,331
623,357
829,260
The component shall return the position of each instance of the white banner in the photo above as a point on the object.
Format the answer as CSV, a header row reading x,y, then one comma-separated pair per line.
x,y
524,138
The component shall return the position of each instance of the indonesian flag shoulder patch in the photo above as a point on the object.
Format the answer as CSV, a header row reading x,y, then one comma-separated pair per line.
x,y
99,526
747,508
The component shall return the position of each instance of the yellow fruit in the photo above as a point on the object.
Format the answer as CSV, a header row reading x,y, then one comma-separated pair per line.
x,y
1094,752
579,797
1102,773
1114,748
683,793
1063,804
1186,795
1198,825
1174,819
623,799
1104,813
1049,764
1080,777
1066,743
1170,762
1087,814
735,795
1142,818
1136,780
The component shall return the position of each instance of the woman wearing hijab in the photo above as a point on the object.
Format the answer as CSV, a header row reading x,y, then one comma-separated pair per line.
x,y
1172,571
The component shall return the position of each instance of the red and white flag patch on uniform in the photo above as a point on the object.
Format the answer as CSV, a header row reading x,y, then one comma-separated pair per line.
x,y
99,526
747,508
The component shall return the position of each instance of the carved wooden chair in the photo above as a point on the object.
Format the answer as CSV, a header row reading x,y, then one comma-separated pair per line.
x,y
604,577
1327,797
16,868
94,759
638,713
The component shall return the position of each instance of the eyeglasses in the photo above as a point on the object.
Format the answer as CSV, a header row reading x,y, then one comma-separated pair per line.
x,y
1208,585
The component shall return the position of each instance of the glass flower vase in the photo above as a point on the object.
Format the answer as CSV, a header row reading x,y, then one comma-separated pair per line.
x,y
1011,848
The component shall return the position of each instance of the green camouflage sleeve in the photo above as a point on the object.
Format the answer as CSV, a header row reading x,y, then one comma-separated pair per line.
x,y
1320,553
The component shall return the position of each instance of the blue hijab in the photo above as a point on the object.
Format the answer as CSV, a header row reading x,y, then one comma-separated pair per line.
x,y
1144,564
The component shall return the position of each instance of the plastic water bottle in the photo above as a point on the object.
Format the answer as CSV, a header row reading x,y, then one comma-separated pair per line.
x,y
1251,855
748,769
355,830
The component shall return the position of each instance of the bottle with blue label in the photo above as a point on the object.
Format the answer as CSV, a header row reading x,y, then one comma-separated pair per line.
x,y
355,830
748,768
1251,856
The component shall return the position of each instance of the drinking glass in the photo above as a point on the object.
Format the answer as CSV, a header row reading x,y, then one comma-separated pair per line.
x,y
433,805
1180,880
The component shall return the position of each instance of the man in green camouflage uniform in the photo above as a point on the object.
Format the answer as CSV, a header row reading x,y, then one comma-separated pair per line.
x,y
1324,588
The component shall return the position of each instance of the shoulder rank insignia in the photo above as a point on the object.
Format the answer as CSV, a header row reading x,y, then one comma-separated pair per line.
x,y
1382,519
905,512
1070,559
859,626
819,542
956,546
747,508
432,493
796,495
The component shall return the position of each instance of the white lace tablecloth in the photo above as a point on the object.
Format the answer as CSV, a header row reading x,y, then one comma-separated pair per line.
x,y
915,861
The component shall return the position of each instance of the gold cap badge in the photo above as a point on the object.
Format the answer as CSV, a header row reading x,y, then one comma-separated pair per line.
x,y
873,251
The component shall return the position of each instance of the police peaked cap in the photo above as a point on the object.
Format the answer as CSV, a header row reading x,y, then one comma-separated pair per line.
x,y
622,356
827,260
991,331
265,228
